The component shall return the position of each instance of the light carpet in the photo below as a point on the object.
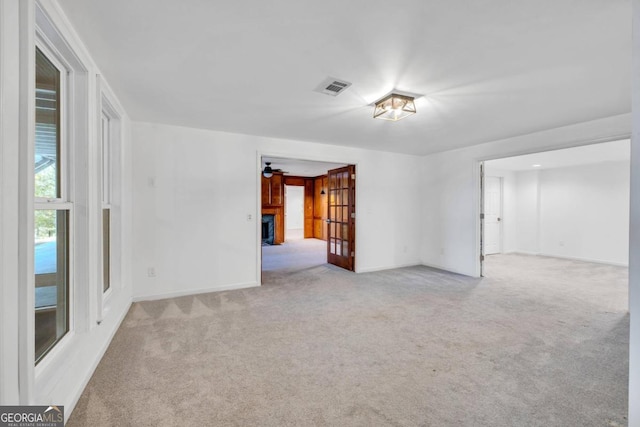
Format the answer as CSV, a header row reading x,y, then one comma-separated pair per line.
x,y
539,342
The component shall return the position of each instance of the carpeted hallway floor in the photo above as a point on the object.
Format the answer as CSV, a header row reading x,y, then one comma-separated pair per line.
x,y
291,257
538,342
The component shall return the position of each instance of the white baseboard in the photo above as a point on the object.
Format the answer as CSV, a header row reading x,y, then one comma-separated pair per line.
x,y
390,267
447,269
597,261
175,294
522,253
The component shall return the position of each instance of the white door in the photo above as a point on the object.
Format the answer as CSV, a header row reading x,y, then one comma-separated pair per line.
x,y
492,215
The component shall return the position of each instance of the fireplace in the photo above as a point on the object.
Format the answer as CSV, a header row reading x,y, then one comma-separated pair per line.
x,y
268,229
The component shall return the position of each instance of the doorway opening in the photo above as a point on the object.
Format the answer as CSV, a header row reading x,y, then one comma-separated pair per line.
x,y
570,203
293,212
550,214
312,207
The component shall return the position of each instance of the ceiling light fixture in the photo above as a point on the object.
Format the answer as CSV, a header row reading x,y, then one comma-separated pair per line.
x,y
267,172
536,166
394,107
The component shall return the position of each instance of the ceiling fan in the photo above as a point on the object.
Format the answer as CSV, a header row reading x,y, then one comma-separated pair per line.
x,y
268,170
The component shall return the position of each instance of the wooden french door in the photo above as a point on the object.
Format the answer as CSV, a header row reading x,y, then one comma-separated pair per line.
x,y
341,222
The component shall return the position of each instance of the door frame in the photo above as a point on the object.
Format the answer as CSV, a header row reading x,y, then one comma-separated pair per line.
x,y
258,197
480,217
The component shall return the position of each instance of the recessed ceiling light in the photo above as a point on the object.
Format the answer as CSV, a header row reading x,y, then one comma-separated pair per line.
x,y
536,166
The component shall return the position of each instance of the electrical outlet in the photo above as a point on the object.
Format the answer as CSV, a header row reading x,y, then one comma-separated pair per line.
x,y
561,243
249,217
151,272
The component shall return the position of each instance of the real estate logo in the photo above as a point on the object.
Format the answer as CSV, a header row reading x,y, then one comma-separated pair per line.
x,y
31,416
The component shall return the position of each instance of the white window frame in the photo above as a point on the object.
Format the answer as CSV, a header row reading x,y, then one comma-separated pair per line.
x,y
106,181
64,145
110,192
37,379
62,202
107,172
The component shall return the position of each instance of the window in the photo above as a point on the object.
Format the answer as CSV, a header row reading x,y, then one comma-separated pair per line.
x,y
109,138
105,142
52,209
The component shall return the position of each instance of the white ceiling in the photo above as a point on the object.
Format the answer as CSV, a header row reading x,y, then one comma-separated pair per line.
x,y
489,69
588,154
306,168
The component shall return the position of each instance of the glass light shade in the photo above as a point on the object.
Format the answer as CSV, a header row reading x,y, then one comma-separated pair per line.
x,y
394,107
267,172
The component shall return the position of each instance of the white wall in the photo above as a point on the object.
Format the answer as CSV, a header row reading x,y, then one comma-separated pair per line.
x,y
450,190
194,190
294,208
584,212
527,212
578,212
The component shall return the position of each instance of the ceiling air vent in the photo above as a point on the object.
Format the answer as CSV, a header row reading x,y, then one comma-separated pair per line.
x,y
332,86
